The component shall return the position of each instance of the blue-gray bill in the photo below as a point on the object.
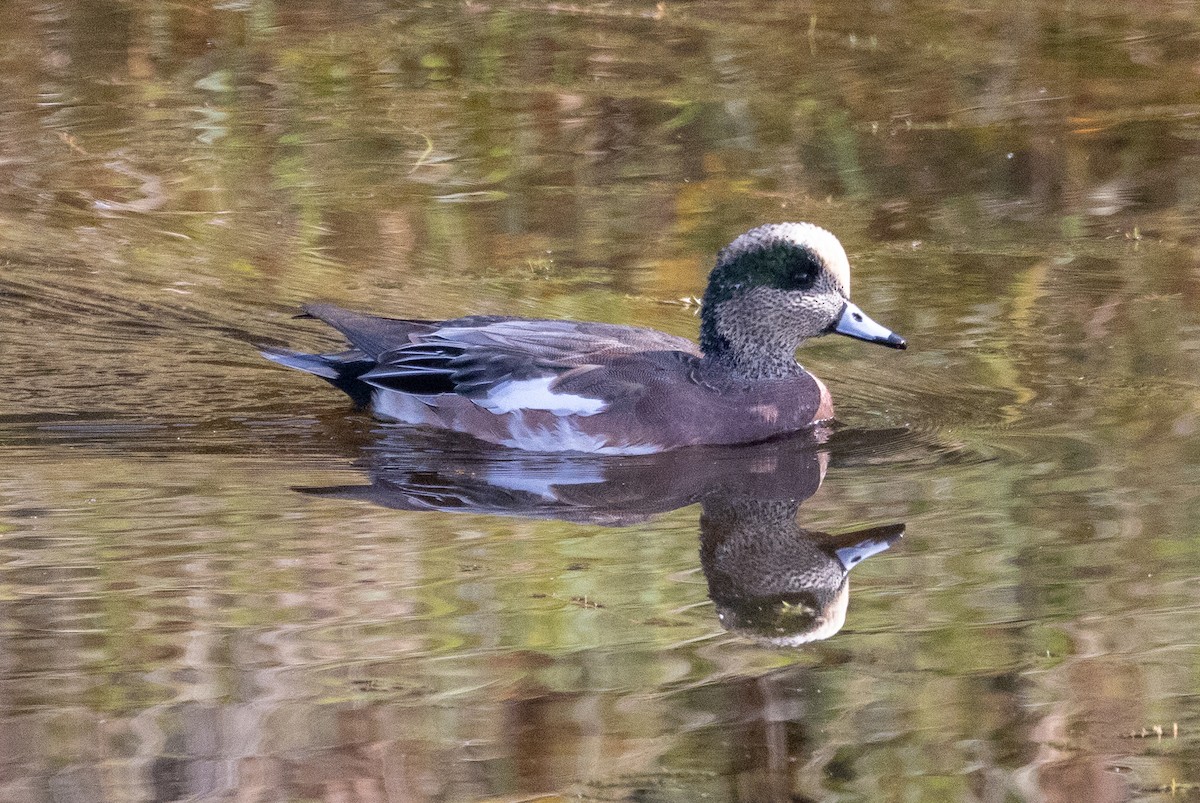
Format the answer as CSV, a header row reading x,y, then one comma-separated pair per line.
x,y
855,323
853,548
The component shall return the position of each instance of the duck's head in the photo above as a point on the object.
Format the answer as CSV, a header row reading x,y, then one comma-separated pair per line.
x,y
774,287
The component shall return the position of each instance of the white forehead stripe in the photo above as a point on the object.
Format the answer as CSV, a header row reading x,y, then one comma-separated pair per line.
x,y
821,242
829,249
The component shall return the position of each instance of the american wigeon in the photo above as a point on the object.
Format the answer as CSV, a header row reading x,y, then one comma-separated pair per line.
x,y
553,385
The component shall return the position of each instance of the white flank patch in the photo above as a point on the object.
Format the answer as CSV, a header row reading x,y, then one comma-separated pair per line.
x,y
535,394
564,437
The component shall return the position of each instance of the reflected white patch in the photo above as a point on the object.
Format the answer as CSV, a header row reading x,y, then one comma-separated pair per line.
x,y
542,480
535,394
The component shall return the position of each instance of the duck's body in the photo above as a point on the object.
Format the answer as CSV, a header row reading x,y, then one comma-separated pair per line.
x,y
547,385
552,385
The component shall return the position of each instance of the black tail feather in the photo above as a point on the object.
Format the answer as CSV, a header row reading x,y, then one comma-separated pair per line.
x,y
340,370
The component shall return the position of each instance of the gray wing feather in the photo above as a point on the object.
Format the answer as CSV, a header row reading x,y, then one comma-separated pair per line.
x,y
470,356
369,333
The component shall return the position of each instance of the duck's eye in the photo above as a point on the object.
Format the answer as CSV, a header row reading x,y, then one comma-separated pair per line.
x,y
786,266
802,270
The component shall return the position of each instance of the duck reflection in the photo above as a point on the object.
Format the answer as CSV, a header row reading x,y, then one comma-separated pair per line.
x,y
771,579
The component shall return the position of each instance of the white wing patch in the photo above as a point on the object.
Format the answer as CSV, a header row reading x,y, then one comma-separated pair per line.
x,y
535,394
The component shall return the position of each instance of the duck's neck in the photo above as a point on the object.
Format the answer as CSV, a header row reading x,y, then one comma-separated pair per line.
x,y
734,516
748,352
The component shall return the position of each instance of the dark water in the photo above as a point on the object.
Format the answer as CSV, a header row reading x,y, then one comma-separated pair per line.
x,y
219,582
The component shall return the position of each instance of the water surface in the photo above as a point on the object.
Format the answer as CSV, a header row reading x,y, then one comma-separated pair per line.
x,y
220,582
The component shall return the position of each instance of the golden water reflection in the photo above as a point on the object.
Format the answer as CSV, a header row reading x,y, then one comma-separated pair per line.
x,y
769,578
325,684
1017,186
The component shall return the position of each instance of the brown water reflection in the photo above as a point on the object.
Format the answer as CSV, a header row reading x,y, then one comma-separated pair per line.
x,y
1018,186
769,578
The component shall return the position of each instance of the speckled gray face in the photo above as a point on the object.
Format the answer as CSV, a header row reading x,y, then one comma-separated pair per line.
x,y
774,287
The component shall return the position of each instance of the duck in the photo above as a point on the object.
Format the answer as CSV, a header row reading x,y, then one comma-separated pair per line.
x,y
573,386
